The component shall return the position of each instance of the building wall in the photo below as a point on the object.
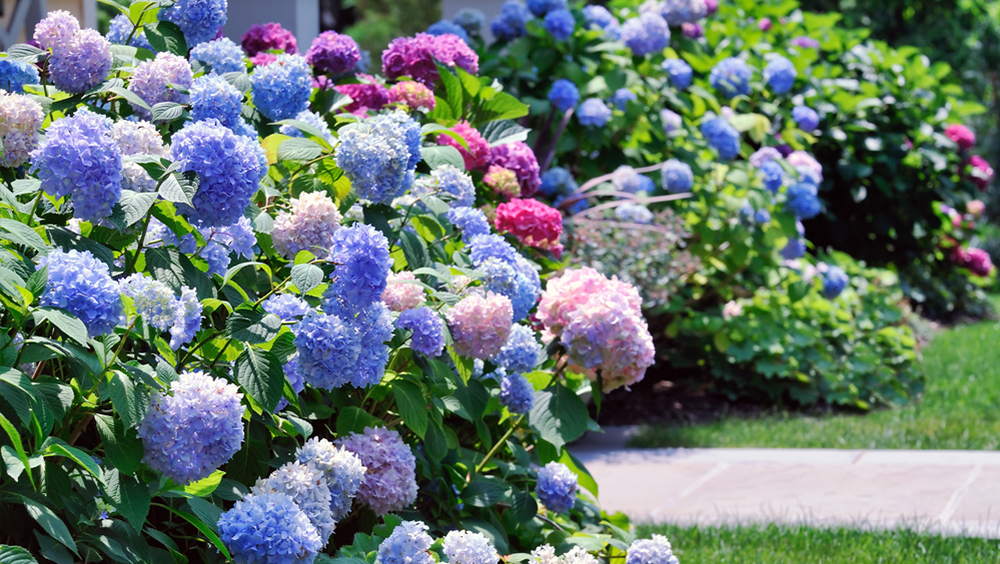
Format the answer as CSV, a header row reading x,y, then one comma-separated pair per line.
x,y
84,10
301,17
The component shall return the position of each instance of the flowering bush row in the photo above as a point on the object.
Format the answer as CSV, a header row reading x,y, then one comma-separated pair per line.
x,y
264,307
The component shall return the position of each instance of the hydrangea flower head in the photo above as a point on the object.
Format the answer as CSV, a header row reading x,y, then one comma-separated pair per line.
x,y
598,17
82,63
442,27
478,155
532,222
81,284
482,247
361,254
471,221
977,261
764,155
308,226
502,181
805,42
679,71
806,165
466,547
229,168
516,393
780,75
510,24
805,117
556,487
470,19
56,30
513,281
672,121
400,295
307,487
557,181
634,213
415,56
213,97
390,482
679,12
333,53
677,176
161,80
79,159
622,97
221,55
188,433
564,95
414,94
521,352
328,347
961,135
795,248
593,112
157,304
722,136
449,183
199,20
834,281
981,172
342,469
480,325
731,76
626,179
375,156
560,24
268,528
654,550
802,200
267,37
282,89
286,306
369,94
21,119
426,324
15,74
409,543
648,33
519,158
539,8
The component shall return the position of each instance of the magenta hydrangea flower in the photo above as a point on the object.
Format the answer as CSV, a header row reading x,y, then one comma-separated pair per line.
x,y
333,53
21,119
519,158
414,94
267,37
309,226
961,135
532,222
478,155
390,482
160,80
415,56
368,94
400,294
481,324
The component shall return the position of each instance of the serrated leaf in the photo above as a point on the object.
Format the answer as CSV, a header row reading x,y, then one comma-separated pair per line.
x,y
558,415
483,492
414,249
167,111
136,205
17,555
21,234
411,405
252,325
130,97
306,277
259,373
166,36
49,521
130,498
503,132
26,53
71,326
299,149
354,420
205,486
122,448
179,189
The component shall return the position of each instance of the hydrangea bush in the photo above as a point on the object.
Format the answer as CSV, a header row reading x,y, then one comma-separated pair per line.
x,y
255,311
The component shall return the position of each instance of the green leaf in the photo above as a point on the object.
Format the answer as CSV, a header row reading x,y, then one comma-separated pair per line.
x,y
502,106
441,155
21,234
582,475
167,111
17,555
165,36
411,405
306,277
299,149
60,448
436,443
130,97
524,507
15,439
252,325
26,53
354,420
414,249
179,189
52,524
483,492
208,512
503,132
122,448
453,92
173,268
259,373
64,321
209,532
558,415
136,205
129,497
131,402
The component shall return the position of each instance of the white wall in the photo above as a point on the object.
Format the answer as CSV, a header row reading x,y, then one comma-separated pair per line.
x,y
301,17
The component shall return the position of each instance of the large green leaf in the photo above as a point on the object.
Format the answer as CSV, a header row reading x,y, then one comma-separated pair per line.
x,y
49,521
354,420
129,497
64,321
136,205
21,234
165,36
170,266
411,405
17,555
484,492
558,415
306,277
414,249
122,448
442,155
259,373
252,325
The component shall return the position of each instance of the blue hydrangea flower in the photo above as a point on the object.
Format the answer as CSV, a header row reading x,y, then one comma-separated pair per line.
x,y
556,487
796,248
361,254
564,95
560,24
731,76
645,34
269,528
646,184
470,19
598,17
163,79
83,64
220,243
557,181
516,393
722,137
79,159
307,487
158,306
374,327
467,547
341,468
774,175
654,550
471,221
198,427
574,208
376,154
802,200
286,306
540,8
634,213
309,118
221,55
213,97
409,543
834,282
328,347
593,112
199,20
622,97
293,373
187,318
503,278
426,324
229,169
82,285
448,180
762,216
15,74
677,176
805,117
444,26
626,179
521,352
482,247
282,88
672,121
510,24
390,479
679,71
780,75
121,27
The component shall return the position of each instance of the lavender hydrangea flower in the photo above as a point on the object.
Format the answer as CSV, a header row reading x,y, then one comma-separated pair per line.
x,y
774,175
560,24
409,543
763,155
470,220
333,53
480,324
762,216
796,248
722,137
309,226
269,528
634,213
520,158
199,20
626,179
376,155
282,89
520,353
342,469
119,30
510,24
187,318
390,482
160,80
15,74
805,117
79,159
373,325
655,550
834,282
805,42
442,27
308,488
672,121
82,285
556,487
598,17
622,97
229,169
802,200
189,433
731,76
677,176
564,95
645,34
426,324
466,547
448,180
780,75
221,55
557,181
516,393
470,19
679,71
593,112
361,254
157,304
286,306
21,119
56,30
83,63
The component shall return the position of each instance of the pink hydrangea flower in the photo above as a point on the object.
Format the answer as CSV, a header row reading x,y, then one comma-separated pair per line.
x,y
413,94
266,37
692,30
263,59
961,135
309,227
976,261
802,160
764,24
369,94
975,208
532,222
503,181
480,324
478,155
982,173
519,158
415,56
400,295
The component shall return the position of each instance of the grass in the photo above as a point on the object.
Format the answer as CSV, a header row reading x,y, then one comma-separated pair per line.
x,y
960,409
804,545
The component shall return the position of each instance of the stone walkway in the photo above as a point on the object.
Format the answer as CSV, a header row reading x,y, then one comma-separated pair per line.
x,y
951,492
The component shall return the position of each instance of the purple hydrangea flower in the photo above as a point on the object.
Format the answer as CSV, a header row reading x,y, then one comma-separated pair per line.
x,y
328,347
679,71
213,97
450,182
286,306
308,226
672,121
679,12
333,53
390,482
780,75
598,17
593,112
56,30
282,89
622,97
82,285
415,57
564,95
805,117
221,55
161,80
731,76
341,468
269,528
516,393
560,24
806,42
654,550
426,324
722,137
199,20
796,248
409,543
307,487
15,74
267,37
83,63
774,175
645,34
677,176
556,487
520,158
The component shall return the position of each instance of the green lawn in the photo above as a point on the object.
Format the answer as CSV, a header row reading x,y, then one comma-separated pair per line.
x,y
960,409
804,545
